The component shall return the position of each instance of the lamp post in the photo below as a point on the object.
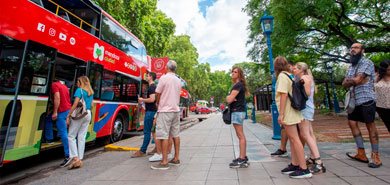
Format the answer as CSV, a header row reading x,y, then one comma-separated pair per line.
x,y
335,101
267,23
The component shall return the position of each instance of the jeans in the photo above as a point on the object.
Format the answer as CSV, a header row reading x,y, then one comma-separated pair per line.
x,y
62,130
79,129
148,124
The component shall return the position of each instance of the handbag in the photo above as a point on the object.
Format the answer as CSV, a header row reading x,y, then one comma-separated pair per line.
x,y
227,116
350,97
81,110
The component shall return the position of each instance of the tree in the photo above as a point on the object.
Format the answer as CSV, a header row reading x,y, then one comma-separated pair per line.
x,y
321,29
142,18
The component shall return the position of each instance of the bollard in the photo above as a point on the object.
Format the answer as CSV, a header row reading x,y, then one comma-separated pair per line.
x,y
254,115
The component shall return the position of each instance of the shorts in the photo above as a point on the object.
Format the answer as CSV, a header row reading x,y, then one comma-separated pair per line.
x,y
364,113
168,124
308,113
238,118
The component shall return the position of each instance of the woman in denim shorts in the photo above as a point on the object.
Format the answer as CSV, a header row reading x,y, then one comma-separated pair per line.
x,y
306,130
236,101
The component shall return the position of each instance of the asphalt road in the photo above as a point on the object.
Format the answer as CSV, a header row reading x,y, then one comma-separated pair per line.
x,y
46,165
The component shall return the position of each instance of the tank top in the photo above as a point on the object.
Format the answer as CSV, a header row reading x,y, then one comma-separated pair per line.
x,y
310,101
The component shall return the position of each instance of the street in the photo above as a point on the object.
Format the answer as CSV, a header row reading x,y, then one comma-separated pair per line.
x,y
46,165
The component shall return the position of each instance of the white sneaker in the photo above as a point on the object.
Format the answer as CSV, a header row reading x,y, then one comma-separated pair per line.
x,y
155,157
170,157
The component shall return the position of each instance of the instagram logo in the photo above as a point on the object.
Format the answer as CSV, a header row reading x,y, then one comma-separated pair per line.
x,y
41,27
52,32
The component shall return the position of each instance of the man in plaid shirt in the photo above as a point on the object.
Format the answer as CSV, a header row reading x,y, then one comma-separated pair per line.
x,y
360,76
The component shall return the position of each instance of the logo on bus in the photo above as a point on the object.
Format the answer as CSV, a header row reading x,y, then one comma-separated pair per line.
x,y
98,52
159,64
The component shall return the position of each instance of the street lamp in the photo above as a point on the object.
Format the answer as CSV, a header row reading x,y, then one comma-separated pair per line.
x,y
267,24
335,101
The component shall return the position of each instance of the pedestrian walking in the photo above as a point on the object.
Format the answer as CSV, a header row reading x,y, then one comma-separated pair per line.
x,y
61,107
305,127
151,109
360,80
382,89
236,101
289,118
78,128
168,114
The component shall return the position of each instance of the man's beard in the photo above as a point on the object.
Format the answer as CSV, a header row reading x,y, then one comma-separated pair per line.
x,y
355,58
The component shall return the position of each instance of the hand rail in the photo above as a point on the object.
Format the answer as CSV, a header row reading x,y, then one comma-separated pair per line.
x,y
81,20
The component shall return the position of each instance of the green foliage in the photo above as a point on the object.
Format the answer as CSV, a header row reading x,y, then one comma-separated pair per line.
x,y
320,30
142,18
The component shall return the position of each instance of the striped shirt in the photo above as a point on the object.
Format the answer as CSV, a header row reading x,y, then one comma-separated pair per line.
x,y
364,92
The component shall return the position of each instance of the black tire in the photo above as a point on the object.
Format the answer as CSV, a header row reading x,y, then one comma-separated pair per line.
x,y
117,128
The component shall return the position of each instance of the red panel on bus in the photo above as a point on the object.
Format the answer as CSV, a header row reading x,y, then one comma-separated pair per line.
x,y
158,65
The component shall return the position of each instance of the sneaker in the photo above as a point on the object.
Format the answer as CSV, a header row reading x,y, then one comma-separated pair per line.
x,y
246,159
280,153
170,157
239,163
138,154
318,168
301,174
289,169
48,142
155,157
375,162
160,166
177,162
66,162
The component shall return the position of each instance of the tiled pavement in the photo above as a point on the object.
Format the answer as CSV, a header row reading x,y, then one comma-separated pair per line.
x,y
208,147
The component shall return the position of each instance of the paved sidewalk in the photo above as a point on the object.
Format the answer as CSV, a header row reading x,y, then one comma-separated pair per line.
x,y
207,149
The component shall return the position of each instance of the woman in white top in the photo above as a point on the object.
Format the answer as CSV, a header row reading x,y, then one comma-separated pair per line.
x,y
306,130
382,89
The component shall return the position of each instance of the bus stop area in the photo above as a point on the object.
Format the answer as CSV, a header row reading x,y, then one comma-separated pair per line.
x,y
208,147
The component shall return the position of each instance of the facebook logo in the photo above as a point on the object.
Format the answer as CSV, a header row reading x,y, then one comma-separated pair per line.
x,y
41,27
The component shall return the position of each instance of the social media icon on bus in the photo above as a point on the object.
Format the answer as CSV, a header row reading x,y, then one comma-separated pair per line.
x,y
52,32
72,41
62,37
41,27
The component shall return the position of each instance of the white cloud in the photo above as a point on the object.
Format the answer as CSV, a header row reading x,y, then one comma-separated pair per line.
x,y
219,37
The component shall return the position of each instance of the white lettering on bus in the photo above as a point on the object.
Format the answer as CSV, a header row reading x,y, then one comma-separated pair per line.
x,y
112,55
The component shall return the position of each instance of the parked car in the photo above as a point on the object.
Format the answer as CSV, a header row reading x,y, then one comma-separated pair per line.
x,y
202,110
213,109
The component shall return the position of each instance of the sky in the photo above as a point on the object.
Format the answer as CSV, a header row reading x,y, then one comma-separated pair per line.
x,y
217,29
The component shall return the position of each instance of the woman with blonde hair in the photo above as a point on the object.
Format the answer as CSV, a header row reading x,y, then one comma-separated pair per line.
x,y
289,118
78,128
236,101
306,130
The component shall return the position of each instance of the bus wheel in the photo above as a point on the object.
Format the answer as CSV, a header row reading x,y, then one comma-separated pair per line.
x,y
117,129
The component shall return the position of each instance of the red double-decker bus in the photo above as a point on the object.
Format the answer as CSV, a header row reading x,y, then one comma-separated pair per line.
x,y
43,40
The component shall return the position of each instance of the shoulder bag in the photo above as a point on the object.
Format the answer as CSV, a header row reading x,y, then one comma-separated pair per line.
x,y
81,110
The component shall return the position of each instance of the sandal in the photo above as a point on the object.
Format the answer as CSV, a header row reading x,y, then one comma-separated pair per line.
x,y
76,163
318,168
310,162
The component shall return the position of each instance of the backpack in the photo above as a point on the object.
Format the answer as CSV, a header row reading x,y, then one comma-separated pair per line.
x,y
299,97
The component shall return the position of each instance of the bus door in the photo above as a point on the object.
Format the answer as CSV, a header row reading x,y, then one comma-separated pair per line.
x,y
24,76
66,70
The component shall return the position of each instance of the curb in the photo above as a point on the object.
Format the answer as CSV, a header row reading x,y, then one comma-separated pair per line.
x,y
119,148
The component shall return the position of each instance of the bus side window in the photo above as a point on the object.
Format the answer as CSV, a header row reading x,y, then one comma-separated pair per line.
x,y
107,85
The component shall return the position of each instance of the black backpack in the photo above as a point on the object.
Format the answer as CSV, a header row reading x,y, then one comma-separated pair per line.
x,y
299,97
